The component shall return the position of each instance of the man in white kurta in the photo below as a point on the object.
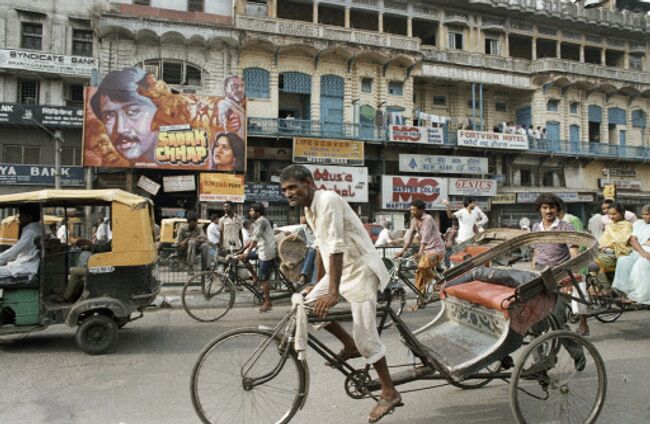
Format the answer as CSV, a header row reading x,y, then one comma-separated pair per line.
x,y
23,258
353,270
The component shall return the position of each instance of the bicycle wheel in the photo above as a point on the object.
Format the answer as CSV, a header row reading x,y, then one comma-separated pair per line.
x,y
225,366
548,385
397,304
208,296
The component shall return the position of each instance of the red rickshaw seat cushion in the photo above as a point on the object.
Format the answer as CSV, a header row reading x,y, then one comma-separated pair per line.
x,y
492,296
470,251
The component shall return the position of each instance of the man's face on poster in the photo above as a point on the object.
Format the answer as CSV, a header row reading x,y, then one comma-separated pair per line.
x,y
235,89
128,125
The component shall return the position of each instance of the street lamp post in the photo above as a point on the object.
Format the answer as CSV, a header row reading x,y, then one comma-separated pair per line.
x,y
58,139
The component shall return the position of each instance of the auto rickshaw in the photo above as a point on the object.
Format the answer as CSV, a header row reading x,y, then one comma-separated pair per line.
x,y
9,229
168,230
119,281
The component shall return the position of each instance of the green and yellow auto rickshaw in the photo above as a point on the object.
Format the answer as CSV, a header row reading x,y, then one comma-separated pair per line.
x,y
118,278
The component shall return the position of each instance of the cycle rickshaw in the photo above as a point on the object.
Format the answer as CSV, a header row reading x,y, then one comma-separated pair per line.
x,y
119,280
468,344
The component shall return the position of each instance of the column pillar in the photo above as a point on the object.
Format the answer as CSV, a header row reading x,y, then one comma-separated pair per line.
x,y
582,53
380,22
506,46
409,26
534,48
347,17
603,57
314,107
272,6
314,12
558,49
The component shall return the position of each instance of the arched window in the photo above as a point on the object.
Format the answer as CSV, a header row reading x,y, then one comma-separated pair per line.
x,y
616,115
256,81
595,113
295,82
174,72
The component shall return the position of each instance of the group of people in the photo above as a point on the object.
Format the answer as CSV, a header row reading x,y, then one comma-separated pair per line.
x,y
536,133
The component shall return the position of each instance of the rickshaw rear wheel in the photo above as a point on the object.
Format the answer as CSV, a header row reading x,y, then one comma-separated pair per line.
x,y
548,383
477,383
97,334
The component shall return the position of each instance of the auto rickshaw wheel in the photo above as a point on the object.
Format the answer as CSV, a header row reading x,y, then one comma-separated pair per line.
x,y
97,334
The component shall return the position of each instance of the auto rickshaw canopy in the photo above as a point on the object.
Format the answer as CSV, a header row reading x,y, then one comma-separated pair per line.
x,y
73,197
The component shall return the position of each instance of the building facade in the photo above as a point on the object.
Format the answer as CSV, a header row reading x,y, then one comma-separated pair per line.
x,y
571,83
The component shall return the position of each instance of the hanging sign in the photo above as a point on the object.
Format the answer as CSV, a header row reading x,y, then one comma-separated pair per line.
x,y
472,187
443,164
332,152
412,134
492,140
398,191
214,187
148,185
350,183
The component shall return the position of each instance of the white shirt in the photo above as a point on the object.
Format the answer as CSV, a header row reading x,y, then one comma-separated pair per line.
x,y
104,232
23,257
245,235
337,229
62,233
383,238
213,233
596,226
267,247
466,222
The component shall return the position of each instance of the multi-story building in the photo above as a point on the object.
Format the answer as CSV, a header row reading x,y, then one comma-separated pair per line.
x,y
579,75
47,55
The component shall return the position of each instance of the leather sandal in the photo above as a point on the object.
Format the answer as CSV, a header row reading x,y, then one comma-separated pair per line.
x,y
389,407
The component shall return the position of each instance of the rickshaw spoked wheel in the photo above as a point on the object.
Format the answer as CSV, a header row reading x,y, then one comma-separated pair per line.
x,y
550,382
477,383
97,334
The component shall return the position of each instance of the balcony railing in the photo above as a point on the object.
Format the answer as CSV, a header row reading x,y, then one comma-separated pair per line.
x,y
306,128
288,128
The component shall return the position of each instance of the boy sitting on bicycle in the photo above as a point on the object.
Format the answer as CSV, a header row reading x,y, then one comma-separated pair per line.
x,y
353,269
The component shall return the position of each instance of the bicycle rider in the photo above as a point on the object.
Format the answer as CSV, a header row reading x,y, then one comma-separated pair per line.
x,y
353,269
432,248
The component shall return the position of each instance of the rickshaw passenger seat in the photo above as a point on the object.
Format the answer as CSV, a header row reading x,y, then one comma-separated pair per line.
x,y
492,296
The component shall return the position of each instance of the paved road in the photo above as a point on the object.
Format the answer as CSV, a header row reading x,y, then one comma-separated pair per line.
x,y
44,378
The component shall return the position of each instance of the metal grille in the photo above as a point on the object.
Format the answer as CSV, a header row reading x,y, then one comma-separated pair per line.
x,y
70,156
256,81
28,92
82,42
32,36
75,95
30,155
295,82
332,86
192,75
172,73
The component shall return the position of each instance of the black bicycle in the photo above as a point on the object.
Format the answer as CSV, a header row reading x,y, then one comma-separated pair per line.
x,y
402,272
209,295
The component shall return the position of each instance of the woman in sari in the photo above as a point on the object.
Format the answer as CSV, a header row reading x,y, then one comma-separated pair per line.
x,y
632,271
614,243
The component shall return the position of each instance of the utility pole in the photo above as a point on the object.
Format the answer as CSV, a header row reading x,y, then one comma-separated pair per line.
x,y
58,140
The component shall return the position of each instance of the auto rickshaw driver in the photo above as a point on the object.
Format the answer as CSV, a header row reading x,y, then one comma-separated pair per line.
x,y
191,239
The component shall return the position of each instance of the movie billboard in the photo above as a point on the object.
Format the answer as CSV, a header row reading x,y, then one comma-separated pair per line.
x,y
132,120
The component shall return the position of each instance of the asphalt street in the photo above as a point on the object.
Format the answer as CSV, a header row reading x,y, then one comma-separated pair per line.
x,y
46,379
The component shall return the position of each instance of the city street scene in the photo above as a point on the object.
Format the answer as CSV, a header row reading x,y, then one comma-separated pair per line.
x,y
331,211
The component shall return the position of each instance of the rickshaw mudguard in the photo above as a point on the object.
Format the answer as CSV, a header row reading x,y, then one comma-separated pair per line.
x,y
116,307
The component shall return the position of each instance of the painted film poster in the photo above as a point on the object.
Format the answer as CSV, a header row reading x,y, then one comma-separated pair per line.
x,y
132,120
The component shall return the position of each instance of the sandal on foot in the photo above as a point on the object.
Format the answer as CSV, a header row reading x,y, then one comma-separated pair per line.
x,y
385,407
265,308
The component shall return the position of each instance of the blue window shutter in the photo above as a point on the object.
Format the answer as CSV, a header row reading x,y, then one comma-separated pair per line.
x,y
616,116
638,118
256,82
595,113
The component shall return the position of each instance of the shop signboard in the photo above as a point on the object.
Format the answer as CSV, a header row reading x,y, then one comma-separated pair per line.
x,y
38,61
492,140
145,125
413,134
568,197
148,185
472,187
443,164
328,152
269,153
217,187
350,183
631,185
619,172
505,199
609,191
456,203
179,183
398,191
263,192
48,116
40,175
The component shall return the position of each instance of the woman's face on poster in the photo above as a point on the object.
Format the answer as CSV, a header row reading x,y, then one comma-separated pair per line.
x,y
224,156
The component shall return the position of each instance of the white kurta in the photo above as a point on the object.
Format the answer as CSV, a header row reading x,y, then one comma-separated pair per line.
x,y
22,258
337,229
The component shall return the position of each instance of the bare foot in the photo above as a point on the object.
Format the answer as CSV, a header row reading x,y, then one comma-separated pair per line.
x,y
384,407
266,307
